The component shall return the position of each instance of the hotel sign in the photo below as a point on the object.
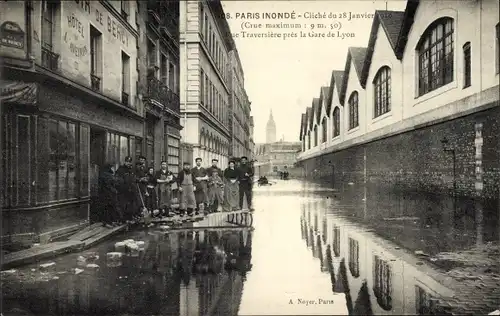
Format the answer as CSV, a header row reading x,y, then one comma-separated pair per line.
x,y
11,35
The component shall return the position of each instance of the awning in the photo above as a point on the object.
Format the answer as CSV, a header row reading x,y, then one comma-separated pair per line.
x,y
18,92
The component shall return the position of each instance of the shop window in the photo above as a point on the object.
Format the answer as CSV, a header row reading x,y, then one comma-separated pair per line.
x,y
17,154
84,160
117,148
57,161
138,147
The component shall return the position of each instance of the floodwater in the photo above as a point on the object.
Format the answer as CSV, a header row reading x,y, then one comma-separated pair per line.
x,y
307,250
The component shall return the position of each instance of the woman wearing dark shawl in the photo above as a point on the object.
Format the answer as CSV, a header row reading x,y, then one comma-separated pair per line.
x,y
108,196
231,187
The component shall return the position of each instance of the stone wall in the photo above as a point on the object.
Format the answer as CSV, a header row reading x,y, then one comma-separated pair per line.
x,y
416,161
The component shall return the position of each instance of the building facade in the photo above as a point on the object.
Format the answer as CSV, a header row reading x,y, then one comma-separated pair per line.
x,y
160,81
239,106
69,103
271,129
252,142
418,108
275,157
206,41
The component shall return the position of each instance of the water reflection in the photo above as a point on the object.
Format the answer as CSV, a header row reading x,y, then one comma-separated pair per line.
x,y
177,273
366,239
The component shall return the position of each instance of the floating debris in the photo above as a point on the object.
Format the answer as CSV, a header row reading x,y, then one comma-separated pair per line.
x,y
92,266
120,246
45,267
497,312
114,255
78,271
11,271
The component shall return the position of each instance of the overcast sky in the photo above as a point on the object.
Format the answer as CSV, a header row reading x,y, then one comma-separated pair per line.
x,y
285,75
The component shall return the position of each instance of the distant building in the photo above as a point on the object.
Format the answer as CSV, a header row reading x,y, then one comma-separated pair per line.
x,y
270,129
273,158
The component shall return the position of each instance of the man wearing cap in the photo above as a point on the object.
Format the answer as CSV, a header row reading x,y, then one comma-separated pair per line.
x,y
245,172
201,182
127,191
215,193
141,174
185,182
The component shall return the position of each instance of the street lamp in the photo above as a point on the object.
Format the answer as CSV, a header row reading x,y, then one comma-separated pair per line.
x,y
447,148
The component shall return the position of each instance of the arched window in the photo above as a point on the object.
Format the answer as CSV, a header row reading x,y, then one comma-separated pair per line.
x,y
353,110
435,56
309,140
382,91
336,122
354,257
467,65
324,130
315,135
382,283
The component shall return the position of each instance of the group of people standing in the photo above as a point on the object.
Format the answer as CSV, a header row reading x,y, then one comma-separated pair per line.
x,y
124,193
211,189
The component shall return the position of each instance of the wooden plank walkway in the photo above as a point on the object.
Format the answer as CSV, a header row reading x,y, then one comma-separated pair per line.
x,y
40,252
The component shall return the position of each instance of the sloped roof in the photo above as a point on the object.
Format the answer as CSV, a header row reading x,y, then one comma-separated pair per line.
x,y
335,82
391,22
315,107
410,10
357,55
323,95
309,118
302,126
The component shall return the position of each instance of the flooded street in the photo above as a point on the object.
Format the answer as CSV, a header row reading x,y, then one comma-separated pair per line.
x,y
306,250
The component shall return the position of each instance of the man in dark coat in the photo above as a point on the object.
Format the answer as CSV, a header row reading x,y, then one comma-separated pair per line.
x,y
127,191
245,172
201,184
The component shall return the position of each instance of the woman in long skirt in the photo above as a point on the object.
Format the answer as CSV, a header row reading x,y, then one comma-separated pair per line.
x,y
231,188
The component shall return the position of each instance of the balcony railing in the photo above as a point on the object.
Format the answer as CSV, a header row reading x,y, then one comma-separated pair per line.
x,y
95,82
163,94
125,98
50,59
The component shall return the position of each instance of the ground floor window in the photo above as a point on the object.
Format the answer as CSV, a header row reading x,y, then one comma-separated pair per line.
x,y
46,159
173,144
117,148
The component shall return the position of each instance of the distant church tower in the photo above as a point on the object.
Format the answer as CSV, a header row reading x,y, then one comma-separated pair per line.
x,y
271,129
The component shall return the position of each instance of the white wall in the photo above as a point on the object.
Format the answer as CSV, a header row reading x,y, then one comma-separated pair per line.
x,y
353,84
383,55
471,24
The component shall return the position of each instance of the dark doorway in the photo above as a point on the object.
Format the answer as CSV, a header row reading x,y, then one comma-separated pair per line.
x,y
150,139
97,160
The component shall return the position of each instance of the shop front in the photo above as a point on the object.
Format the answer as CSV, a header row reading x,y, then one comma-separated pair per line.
x,y
53,147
